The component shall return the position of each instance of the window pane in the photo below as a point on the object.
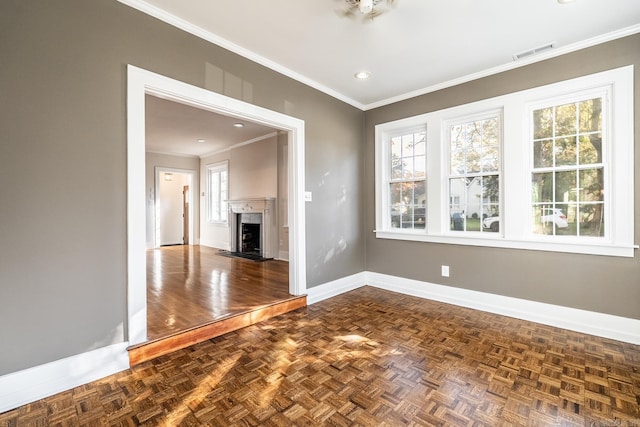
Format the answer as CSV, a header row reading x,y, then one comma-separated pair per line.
x,y
419,147
407,168
566,151
592,185
566,120
473,161
457,163
566,186
543,153
396,147
490,159
491,132
590,147
420,167
407,145
395,193
542,190
590,115
543,123
551,219
458,201
396,168
457,137
592,220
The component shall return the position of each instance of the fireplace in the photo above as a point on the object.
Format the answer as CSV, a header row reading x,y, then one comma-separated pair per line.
x,y
253,229
250,233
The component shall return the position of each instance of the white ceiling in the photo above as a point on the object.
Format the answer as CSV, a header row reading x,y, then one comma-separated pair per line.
x,y
416,47
174,128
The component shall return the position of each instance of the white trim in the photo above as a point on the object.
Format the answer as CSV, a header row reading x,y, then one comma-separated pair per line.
x,y
336,287
283,256
142,82
29,385
246,53
587,322
583,321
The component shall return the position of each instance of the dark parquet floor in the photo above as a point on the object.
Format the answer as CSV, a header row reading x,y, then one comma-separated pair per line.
x,y
367,358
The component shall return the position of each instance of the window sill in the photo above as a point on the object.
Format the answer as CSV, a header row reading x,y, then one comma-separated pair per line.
x,y
586,248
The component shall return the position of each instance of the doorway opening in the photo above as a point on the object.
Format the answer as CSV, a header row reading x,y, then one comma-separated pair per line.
x,y
142,83
173,219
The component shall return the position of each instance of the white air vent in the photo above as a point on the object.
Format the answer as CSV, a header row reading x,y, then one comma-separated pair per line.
x,y
534,51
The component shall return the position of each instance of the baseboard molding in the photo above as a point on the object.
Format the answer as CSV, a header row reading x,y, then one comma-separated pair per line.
x,y
587,322
29,385
336,287
283,255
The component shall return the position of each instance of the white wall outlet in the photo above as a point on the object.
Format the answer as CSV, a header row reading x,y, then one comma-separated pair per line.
x,y
445,271
307,196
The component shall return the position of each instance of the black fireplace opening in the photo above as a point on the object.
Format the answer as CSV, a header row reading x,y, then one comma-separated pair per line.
x,y
250,239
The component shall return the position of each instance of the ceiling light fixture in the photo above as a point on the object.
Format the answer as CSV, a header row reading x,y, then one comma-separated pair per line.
x,y
368,8
362,75
565,1
200,140
238,125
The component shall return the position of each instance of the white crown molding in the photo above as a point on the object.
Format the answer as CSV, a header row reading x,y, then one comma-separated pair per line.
x,y
240,144
171,153
29,385
180,23
510,66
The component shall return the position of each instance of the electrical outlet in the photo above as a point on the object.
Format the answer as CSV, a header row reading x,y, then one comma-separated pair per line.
x,y
445,271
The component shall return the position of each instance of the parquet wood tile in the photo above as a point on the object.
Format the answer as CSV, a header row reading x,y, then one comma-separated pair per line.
x,y
367,358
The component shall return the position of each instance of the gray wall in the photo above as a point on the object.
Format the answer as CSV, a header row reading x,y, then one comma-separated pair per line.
x,y
63,166
597,283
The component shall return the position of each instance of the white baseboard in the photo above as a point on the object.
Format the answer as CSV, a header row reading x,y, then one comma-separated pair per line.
x,y
587,322
283,255
29,385
336,287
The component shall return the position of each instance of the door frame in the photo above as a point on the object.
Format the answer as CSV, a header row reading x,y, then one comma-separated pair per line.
x,y
141,82
156,214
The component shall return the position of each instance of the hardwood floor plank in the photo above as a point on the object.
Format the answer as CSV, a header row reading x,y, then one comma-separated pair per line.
x,y
369,357
189,286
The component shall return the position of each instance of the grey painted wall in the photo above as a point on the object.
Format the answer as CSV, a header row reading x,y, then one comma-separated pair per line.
x,y
601,284
63,166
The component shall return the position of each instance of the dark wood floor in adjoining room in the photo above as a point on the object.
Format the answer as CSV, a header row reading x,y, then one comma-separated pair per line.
x,y
189,286
368,358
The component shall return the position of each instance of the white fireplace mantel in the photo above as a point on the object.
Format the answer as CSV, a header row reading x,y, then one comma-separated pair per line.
x,y
262,205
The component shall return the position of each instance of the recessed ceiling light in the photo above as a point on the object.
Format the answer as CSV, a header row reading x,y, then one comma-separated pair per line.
x,y
362,75
238,125
565,1
201,140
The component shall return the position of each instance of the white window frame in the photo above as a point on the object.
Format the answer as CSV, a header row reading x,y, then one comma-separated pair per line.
x,y
215,193
515,175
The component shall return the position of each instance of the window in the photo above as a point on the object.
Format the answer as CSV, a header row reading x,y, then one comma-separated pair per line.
x,y
407,181
568,168
217,191
474,173
549,168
